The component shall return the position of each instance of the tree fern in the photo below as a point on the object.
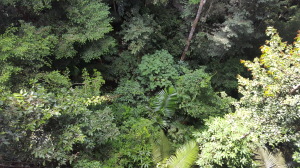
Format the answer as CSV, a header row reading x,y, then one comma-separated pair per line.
x,y
184,157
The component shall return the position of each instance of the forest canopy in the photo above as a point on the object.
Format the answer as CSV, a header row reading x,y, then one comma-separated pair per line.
x,y
151,83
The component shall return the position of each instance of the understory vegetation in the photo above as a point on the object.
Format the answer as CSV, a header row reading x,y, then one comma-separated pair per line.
x,y
150,83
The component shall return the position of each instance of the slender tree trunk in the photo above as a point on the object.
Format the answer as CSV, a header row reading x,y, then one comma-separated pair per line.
x,y
188,41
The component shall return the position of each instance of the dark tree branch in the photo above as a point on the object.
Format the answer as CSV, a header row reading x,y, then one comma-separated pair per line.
x,y
188,41
293,91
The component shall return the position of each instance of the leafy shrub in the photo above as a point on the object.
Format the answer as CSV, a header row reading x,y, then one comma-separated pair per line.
x,y
54,80
267,114
130,92
137,32
31,45
124,66
197,97
228,142
157,70
88,164
87,21
38,125
24,50
99,48
133,146
273,93
91,83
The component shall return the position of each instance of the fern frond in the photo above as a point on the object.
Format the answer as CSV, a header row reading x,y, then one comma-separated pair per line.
x,y
185,156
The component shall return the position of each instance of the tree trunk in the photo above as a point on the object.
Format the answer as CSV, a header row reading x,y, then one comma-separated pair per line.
x,y
188,41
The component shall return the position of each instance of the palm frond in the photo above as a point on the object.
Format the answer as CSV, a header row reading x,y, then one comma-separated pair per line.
x,y
166,102
185,156
269,159
161,148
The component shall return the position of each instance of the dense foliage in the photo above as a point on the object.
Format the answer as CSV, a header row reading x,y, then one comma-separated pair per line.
x,y
100,83
267,114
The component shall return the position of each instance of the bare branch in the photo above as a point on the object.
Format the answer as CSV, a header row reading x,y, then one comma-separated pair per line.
x,y
188,41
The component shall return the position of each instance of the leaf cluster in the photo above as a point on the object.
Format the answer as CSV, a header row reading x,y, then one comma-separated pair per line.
x,y
157,70
40,125
197,97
